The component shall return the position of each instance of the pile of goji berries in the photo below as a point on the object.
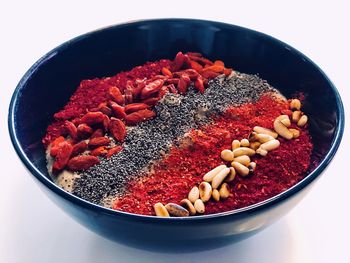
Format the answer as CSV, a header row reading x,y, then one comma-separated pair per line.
x,y
100,131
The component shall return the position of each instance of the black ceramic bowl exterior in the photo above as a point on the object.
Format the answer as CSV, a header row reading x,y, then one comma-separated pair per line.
x,y
49,83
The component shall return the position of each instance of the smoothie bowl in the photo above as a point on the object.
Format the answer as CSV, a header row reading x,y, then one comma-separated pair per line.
x,y
162,133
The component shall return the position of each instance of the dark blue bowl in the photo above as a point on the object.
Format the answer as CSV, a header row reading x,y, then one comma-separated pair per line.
x,y
49,83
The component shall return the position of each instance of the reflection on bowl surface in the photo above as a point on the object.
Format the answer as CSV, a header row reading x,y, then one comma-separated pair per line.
x,y
47,86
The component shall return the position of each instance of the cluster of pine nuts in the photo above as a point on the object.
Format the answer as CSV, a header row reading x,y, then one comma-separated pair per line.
x,y
194,203
282,123
215,182
262,140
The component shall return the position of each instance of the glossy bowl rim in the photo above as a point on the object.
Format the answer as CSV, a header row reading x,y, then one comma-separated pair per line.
x,y
237,212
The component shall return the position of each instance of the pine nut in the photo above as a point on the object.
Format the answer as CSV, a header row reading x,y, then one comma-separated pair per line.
x,y
244,143
216,195
240,168
282,117
296,115
243,151
236,144
193,195
185,203
224,191
296,133
205,190
252,137
218,179
176,210
282,130
160,210
262,130
270,145
227,155
231,176
295,104
243,159
252,167
208,177
286,121
262,138
302,121
255,145
261,152
199,206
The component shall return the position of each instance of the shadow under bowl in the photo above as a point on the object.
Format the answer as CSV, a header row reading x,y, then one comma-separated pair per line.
x,y
49,83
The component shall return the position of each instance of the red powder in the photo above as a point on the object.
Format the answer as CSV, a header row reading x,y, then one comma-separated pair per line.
x,y
184,168
91,93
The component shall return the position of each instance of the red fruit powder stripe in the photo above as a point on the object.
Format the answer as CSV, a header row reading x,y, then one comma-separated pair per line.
x,y
182,169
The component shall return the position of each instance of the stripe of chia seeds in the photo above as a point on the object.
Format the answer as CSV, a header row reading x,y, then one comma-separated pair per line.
x,y
176,115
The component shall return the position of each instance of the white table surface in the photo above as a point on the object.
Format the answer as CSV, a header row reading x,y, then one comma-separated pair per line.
x,y
33,229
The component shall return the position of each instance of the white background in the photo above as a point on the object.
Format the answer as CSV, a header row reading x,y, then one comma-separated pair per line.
x,y
33,229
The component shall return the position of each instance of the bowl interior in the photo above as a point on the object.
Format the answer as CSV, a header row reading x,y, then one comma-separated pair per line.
x,y
48,85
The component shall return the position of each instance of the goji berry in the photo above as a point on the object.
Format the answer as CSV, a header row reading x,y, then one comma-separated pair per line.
x,y
84,131
97,133
139,116
151,88
117,129
113,151
178,61
116,95
135,107
99,151
118,111
182,86
99,141
105,109
92,118
55,145
79,148
198,84
71,129
167,72
82,162
62,157
151,101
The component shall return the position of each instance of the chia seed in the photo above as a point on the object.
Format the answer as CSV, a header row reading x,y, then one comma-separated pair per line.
x,y
175,115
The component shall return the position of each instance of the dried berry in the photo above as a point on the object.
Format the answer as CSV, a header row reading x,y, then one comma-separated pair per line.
x,y
116,95
63,155
71,129
167,72
104,109
178,61
97,133
182,86
198,84
117,129
196,66
99,141
128,96
99,151
139,116
151,101
84,131
151,88
55,145
79,148
82,162
114,150
135,107
92,118
118,111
